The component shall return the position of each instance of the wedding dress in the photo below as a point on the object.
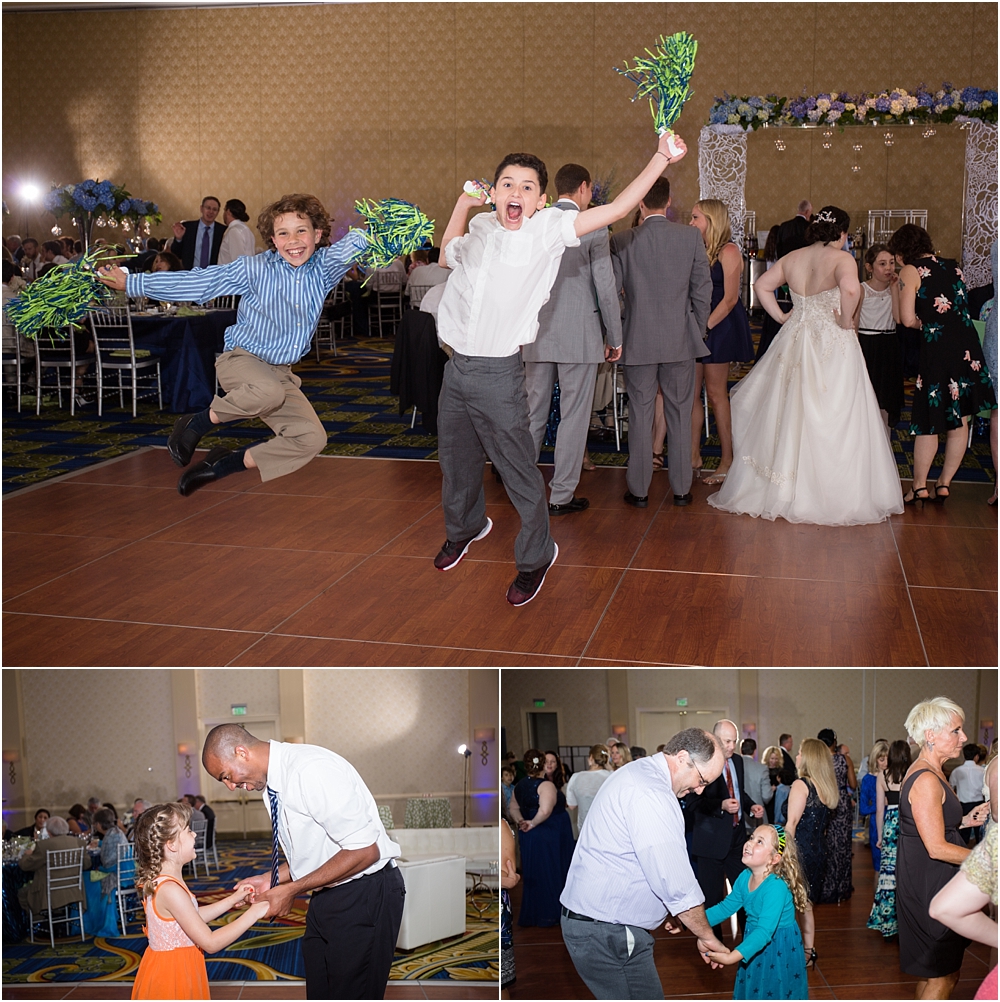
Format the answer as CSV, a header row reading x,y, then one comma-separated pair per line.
x,y
809,444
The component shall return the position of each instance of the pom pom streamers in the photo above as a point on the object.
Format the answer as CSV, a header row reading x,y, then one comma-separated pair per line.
x,y
664,77
395,228
476,188
63,296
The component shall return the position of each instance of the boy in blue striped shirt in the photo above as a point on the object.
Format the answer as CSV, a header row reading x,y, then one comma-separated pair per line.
x,y
282,293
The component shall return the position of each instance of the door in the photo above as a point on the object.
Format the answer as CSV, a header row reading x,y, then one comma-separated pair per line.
x,y
657,727
543,730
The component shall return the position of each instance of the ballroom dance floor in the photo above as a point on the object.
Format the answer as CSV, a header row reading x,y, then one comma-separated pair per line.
x,y
332,566
853,962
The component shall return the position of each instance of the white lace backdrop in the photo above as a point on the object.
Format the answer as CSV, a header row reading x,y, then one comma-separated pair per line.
x,y
722,173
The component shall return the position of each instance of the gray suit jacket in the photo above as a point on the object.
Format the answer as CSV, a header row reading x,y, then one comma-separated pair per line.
x,y
663,268
758,780
584,294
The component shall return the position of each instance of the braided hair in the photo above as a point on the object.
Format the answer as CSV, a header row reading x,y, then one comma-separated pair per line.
x,y
154,829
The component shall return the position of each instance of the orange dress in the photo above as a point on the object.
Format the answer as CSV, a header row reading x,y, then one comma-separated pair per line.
x,y
172,967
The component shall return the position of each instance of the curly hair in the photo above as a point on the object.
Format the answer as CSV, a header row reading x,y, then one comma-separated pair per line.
x,y
910,242
534,762
528,160
789,869
301,205
153,830
828,226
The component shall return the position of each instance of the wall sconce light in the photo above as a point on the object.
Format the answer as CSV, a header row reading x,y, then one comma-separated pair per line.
x,y
12,756
185,750
485,735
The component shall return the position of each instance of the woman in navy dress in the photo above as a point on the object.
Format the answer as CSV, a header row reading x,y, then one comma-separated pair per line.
x,y
728,338
539,810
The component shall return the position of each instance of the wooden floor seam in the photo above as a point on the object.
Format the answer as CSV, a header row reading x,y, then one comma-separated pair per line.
x,y
909,596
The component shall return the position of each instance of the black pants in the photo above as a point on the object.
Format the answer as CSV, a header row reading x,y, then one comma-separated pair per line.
x,y
350,936
712,873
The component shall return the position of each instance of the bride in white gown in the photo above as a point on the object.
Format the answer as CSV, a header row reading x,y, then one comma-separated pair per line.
x,y
809,443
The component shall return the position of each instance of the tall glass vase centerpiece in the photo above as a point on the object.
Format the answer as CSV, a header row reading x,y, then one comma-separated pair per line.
x,y
104,203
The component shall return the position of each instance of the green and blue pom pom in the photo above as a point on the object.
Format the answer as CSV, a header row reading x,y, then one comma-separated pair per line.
x,y
62,297
395,228
664,78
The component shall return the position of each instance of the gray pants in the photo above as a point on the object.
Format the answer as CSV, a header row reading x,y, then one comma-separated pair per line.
x,y
615,961
483,411
676,379
576,394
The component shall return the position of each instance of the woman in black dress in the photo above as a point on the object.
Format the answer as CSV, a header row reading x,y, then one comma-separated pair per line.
x,y
930,848
539,810
837,885
953,382
812,796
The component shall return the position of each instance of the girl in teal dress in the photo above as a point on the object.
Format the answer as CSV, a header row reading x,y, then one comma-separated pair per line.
x,y
771,958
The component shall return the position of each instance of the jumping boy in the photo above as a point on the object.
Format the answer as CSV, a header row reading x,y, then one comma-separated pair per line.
x,y
504,268
282,293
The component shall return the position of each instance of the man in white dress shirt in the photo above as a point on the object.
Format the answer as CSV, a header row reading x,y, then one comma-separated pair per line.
x,y
239,240
327,824
630,869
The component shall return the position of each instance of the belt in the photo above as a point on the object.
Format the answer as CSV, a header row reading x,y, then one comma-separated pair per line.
x,y
868,330
390,865
576,915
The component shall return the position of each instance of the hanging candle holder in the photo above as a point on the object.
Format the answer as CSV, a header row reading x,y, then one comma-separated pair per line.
x,y
779,145
56,230
856,169
888,138
927,133
857,147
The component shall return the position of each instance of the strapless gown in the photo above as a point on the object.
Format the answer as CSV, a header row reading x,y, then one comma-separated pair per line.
x,y
809,444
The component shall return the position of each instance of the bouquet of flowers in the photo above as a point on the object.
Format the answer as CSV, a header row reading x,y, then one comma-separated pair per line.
x,y
103,201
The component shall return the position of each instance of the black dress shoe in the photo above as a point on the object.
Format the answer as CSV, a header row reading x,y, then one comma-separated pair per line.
x,y
574,504
682,499
636,502
183,441
202,473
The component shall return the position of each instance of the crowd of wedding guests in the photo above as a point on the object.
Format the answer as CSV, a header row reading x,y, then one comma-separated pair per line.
x,y
921,802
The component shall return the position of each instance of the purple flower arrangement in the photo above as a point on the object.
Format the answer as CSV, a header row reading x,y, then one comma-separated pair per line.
x,y
887,107
104,199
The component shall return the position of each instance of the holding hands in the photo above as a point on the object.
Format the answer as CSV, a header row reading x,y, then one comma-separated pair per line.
x,y
721,957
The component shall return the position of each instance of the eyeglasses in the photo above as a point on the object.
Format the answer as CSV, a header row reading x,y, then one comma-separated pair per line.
x,y
703,781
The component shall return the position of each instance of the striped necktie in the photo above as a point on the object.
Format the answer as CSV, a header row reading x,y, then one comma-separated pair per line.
x,y
273,797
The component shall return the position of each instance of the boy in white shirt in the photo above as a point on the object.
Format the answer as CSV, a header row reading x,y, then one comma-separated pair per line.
x,y
967,782
504,268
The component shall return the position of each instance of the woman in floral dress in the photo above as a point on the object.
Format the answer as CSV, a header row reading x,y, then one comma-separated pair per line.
x,y
953,382
883,914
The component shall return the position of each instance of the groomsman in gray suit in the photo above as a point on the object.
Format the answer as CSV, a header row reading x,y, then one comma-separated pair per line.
x,y
663,268
570,343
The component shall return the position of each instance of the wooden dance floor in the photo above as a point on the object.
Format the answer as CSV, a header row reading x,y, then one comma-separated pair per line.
x,y
853,962
333,566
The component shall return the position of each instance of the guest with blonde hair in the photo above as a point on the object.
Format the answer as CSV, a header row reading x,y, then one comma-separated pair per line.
x,y
620,755
728,337
878,759
931,848
583,786
811,799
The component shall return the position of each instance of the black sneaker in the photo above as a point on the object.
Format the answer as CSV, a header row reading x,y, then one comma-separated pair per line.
x,y
451,553
527,584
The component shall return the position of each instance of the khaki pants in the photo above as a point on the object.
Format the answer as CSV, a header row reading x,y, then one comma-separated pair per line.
x,y
254,388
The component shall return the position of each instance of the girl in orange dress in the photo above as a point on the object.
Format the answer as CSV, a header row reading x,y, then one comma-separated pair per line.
x,y
173,965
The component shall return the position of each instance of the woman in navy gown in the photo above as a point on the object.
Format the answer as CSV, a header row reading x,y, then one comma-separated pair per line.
x,y
728,336
539,810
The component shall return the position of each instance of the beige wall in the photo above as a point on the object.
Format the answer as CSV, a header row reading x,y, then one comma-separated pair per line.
x,y
115,734
410,100
859,704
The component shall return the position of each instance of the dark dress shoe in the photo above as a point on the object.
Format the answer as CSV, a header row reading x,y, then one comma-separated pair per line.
x,y
636,502
682,499
202,473
574,504
183,441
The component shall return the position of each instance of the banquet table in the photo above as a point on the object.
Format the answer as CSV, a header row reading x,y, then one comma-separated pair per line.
x,y
187,347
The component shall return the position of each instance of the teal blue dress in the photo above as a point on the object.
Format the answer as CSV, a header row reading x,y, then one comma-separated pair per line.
x,y
774,962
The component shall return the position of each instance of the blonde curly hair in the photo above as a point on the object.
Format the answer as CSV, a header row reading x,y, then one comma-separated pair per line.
x,y
154,829
788,867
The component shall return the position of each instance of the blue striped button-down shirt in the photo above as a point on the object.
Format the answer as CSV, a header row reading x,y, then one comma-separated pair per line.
x,y
280,304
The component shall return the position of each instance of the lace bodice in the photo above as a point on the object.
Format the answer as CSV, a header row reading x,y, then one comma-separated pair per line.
x,y
817,308
164,934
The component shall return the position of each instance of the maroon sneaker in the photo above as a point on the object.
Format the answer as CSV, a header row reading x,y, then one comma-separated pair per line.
x,y
451,553
527,584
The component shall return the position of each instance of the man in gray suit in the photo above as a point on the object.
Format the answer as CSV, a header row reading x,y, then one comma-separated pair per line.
x,y
757,775
570,343
663,268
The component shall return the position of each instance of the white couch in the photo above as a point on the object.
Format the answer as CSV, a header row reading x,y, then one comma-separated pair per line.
x,y
433,866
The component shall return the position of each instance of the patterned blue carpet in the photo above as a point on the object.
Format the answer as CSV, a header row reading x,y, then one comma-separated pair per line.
x,y
270,951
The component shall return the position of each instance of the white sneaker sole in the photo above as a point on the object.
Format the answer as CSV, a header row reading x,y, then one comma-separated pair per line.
x,y
486,531
555,554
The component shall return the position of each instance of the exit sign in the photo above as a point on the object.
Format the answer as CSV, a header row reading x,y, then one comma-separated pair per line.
x,y
682,702
239,710
539,702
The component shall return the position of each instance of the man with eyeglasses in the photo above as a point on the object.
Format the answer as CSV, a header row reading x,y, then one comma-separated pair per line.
x,y
720,812
630,869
